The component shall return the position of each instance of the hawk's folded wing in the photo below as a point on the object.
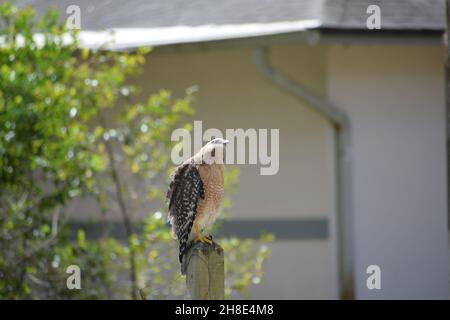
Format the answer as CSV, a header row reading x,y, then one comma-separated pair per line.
x,y
185,192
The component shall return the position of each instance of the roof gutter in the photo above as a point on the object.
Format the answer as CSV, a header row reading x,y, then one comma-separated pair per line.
x,y
342,134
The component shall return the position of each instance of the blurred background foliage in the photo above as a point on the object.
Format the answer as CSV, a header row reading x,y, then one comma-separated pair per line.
x,y
69,129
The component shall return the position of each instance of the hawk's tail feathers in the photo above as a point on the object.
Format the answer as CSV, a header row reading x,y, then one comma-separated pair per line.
x,y
183,268
181,256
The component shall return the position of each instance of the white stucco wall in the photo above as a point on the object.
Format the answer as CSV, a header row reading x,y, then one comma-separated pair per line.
x,y
395,99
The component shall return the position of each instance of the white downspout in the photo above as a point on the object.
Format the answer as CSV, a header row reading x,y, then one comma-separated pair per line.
x,y
341,125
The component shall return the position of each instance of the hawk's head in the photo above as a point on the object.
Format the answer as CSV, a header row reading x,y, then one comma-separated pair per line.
x,y
213,152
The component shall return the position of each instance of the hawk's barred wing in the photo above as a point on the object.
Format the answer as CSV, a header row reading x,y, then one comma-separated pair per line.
x,y
184,194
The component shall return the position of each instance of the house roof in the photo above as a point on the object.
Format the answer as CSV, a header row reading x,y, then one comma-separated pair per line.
x,y
162,22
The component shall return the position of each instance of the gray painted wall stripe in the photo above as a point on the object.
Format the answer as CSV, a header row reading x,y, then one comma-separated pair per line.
x,y
282,229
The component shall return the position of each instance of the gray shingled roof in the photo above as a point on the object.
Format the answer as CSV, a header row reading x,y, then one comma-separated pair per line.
x,y
338,14
138,23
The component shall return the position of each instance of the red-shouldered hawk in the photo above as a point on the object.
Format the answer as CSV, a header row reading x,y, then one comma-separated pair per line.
x,y
195,195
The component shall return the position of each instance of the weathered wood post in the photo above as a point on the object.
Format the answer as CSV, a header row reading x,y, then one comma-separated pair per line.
x,y
204,265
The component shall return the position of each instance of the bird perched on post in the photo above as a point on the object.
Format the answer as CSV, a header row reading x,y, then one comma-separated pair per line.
x,y
195,195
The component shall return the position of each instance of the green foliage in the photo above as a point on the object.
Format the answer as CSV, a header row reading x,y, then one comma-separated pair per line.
x,y
46,149
244,264
69,129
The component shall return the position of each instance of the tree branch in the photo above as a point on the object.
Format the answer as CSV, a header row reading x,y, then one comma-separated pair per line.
x,y
115,175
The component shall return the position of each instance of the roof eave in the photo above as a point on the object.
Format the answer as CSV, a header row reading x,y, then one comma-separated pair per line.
x,y
311,36
381,37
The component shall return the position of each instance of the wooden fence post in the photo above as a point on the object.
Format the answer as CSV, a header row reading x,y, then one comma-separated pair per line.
x,y
205,272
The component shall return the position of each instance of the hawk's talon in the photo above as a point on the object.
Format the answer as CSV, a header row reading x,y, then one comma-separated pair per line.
x,y
203,239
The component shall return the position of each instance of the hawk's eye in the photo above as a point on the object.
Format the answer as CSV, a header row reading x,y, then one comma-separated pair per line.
x,y
213,152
